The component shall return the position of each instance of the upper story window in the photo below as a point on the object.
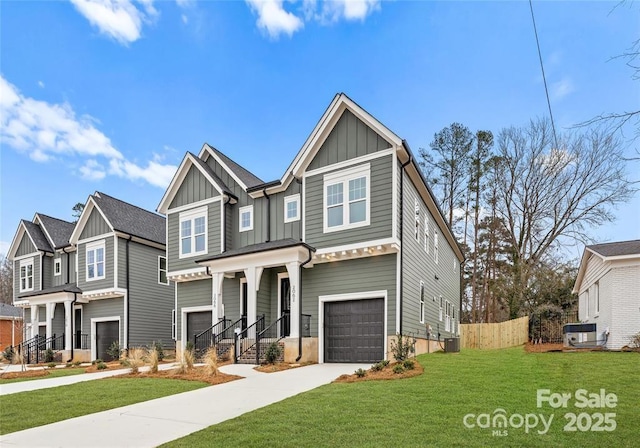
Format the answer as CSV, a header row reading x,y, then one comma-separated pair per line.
x,y
292,208
57,266
421,302
246,218
95,261
347,198
435,247
193,232
417,219
26,275
426,234
162,270
596,287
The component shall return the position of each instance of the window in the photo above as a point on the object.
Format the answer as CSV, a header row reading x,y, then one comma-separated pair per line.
x,y
440,313
447,316
246,218
426,234
417,219
435,247
26,275
596,287
95,261
346,199
57,266
421,302
292,208
193,232
162,270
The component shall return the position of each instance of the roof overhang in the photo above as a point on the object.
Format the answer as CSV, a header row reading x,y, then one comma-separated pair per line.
x,y
84,217
109,293
584,261
13,248
206,152
263,259
53,297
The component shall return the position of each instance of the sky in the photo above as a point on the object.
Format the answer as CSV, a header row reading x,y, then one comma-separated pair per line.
x,y
108,95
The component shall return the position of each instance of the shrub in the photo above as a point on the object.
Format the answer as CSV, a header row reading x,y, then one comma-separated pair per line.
x,y
408,364
384,362
189,358
360,373
402,347
398,368
101,365
8,353
77,363
635,340
18,357
48,355
153,359
114,350
273,352
68,364
211,361
189,346
135,358
51,365
157,346
97,361
376,367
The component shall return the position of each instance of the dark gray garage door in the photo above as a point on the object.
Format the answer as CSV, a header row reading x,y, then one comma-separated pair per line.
x,y
354,331
197,323
106,334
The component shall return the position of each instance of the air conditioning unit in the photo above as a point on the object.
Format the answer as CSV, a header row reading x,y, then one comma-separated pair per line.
x,y
580,335
451,345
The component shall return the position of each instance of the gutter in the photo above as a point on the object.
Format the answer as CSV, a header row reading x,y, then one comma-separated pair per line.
x,y
299,182
300,305
402,167
224,223
128,298
68,264
264,192
72,317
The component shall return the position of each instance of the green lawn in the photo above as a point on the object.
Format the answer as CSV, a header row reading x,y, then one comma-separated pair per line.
x,y
53,373
429,410
40,407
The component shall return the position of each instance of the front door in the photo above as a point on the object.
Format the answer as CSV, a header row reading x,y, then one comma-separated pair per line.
x,y
285,306
77,325
106,334
243,304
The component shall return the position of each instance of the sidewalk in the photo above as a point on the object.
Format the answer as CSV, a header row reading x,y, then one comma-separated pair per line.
x,y
155,422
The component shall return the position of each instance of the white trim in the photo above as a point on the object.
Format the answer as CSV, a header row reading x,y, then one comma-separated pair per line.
x,y
243,280
36,217
84,217
223,223
421,301
398,277
125,305
94,321
191,216
94,238
436,248
95,247
381,294
358,245
183,320
282,275
161,270
198,270
115,260
207,149
295,198
57,262
196,204
304,208
106,293
241,211
31,255
77,306
394,197
175,308
344,177
24,263
350,162
17,238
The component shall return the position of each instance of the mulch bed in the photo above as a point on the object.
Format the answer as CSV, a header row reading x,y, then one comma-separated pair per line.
x,y
280,366
384,374
25,374
541,348
195,374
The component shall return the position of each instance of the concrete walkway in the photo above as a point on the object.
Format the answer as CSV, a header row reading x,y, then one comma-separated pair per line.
x,y
152,423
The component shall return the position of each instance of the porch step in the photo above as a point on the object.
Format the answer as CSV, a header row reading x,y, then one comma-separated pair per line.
x,y
249,357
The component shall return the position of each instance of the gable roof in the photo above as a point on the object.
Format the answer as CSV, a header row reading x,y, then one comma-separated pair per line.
x,y
37,236
225,189
243,176
618,248
58,230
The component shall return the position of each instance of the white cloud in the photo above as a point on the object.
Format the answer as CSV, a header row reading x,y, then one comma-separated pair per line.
x,y
185,19
335,10
273,18
53,131
562,88
41,84
119,19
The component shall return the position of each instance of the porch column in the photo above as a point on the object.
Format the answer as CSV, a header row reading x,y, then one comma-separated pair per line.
x,y
293,270
35,320
68,318
50,310
217,279
253,274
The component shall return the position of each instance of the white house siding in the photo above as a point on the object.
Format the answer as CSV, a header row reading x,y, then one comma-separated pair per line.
x,y
626,305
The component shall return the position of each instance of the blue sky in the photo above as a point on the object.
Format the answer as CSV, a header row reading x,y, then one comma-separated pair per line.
x,y
105,95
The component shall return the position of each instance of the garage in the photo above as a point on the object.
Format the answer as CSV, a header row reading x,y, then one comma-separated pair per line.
x,y
354,331
197,322
106,334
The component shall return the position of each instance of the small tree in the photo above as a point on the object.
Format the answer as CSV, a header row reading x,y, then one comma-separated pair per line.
x,y
402,347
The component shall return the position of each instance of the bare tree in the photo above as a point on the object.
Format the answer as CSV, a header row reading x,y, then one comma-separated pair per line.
x,y
547,194
6,280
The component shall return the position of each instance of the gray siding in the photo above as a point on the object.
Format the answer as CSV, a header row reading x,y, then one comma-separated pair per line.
x,y
150,303
122,262
349,138
16,276
359,275
231,298
381,211
57,325
95,225
175,263
196,293
47,274
195,187
263,302
107,282
279,229
25,247
420,266
61,279
102,308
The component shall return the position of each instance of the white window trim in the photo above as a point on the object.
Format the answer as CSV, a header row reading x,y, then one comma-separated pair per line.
x,y
191,215
596,305
426,233
287,200
94,247
436,249
24,263
241,210
440,311
344,177
422,304
57,267
416,219
165,270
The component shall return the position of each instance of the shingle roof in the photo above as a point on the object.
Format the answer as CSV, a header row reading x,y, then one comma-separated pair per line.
x,y
617,248
69,287
211,173
38,237
10,310
59,230
260,247
248,178
130,219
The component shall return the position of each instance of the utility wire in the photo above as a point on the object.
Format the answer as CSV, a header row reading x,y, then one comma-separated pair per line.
x,y
544,78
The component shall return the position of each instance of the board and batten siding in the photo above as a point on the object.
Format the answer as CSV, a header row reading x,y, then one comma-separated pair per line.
x,y
420,266
107,281
59,280
102,308
175,263
381,199
25,247
57,324
231,298
279,229
150,303
194,187
95,226
190,294
47,272
349,138
263,299
375,273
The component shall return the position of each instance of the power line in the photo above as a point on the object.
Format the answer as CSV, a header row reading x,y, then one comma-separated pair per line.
x,y
544,78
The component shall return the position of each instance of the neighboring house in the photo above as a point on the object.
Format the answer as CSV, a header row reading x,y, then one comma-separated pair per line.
x,y
608,288
343,252
101,280
10,325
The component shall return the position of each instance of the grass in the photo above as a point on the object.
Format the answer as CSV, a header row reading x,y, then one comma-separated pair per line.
x,y
30,409
428,410
53,373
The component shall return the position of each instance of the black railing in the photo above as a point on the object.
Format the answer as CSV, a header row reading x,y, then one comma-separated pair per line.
x,y
305,330
546,327
34,349
272,334
245,339
81,341
202,341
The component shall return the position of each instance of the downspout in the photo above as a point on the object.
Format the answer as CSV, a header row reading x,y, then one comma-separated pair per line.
x,y
299,182
72,317
402,167
300,306
264,192
224,223
128,296
64,249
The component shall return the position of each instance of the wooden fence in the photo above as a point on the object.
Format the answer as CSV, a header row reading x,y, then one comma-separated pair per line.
x,y
500,335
